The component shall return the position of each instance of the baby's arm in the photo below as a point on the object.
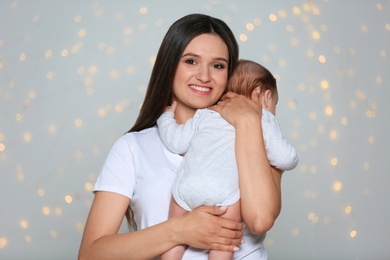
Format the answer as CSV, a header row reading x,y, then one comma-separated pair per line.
x,y
175,137
281,154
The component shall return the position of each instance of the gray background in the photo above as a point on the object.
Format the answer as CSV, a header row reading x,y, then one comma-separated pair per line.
x,y
73,75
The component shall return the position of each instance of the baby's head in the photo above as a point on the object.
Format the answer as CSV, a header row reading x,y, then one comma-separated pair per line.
x,y
250,76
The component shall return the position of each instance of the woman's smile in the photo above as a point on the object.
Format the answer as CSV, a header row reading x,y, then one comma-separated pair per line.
x,y
200,89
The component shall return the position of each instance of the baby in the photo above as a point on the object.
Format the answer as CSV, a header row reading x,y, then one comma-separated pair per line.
x,y
208,175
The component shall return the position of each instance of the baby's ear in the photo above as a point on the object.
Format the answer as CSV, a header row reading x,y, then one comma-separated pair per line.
x,y
268,94
256,93
266,97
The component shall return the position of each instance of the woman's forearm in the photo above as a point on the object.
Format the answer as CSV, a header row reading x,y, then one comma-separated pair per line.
x,y
143,244
201,228
259,182
101,241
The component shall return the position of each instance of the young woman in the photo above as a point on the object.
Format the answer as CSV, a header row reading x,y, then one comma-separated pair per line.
x,y
194,62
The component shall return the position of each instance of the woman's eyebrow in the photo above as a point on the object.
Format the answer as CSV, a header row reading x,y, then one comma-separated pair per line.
x,y
191,54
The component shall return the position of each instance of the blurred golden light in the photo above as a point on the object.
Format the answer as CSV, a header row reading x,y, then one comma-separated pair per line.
x,y
81,70
28,238
143,10
3,242
23,224
46,211
41,192
68,199
78,122
101,45
310,53
364,28
295,232
282,13
333,134
48,53
92,69
316,35
64,53
58,211
329,110
53,233
250,26
127,30
77,19
79,155
366,165
142,26
322,59
257,21
52,129
378,80
114,74
313,217
88,186
324,84
110,50
243,37
50,75
296,10
22,57
130,69
81,33
334,161
273,17
79,226
27,137
312,115
89,90
337,186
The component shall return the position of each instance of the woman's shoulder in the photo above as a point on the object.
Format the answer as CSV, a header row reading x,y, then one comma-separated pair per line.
x,y
143,134
144,137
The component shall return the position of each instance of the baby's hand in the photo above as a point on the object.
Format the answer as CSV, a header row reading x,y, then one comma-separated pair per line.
x,y
171,108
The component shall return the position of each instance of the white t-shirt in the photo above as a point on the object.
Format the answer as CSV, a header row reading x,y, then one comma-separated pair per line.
x,y
141,168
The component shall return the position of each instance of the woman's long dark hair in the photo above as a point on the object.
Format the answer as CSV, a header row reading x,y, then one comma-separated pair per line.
x,y
159,93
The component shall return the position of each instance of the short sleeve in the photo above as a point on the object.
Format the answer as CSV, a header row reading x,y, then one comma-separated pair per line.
x,y
117,174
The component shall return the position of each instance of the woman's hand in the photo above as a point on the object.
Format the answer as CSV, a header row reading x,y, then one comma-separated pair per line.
x,y
204,228
237,108
171,108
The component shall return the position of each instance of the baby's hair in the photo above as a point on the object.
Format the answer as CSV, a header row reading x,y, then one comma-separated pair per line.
x,y
248,75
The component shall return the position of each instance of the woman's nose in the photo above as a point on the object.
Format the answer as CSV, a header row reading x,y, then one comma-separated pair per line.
x,y
203,74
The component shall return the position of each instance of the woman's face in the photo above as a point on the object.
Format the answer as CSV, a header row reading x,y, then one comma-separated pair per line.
x,y
201,74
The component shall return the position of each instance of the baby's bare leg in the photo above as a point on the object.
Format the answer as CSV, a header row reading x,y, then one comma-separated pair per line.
x,y
177,252
233,213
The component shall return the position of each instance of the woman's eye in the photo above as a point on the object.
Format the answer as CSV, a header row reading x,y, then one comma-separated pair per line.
x,y
190,62
219,66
